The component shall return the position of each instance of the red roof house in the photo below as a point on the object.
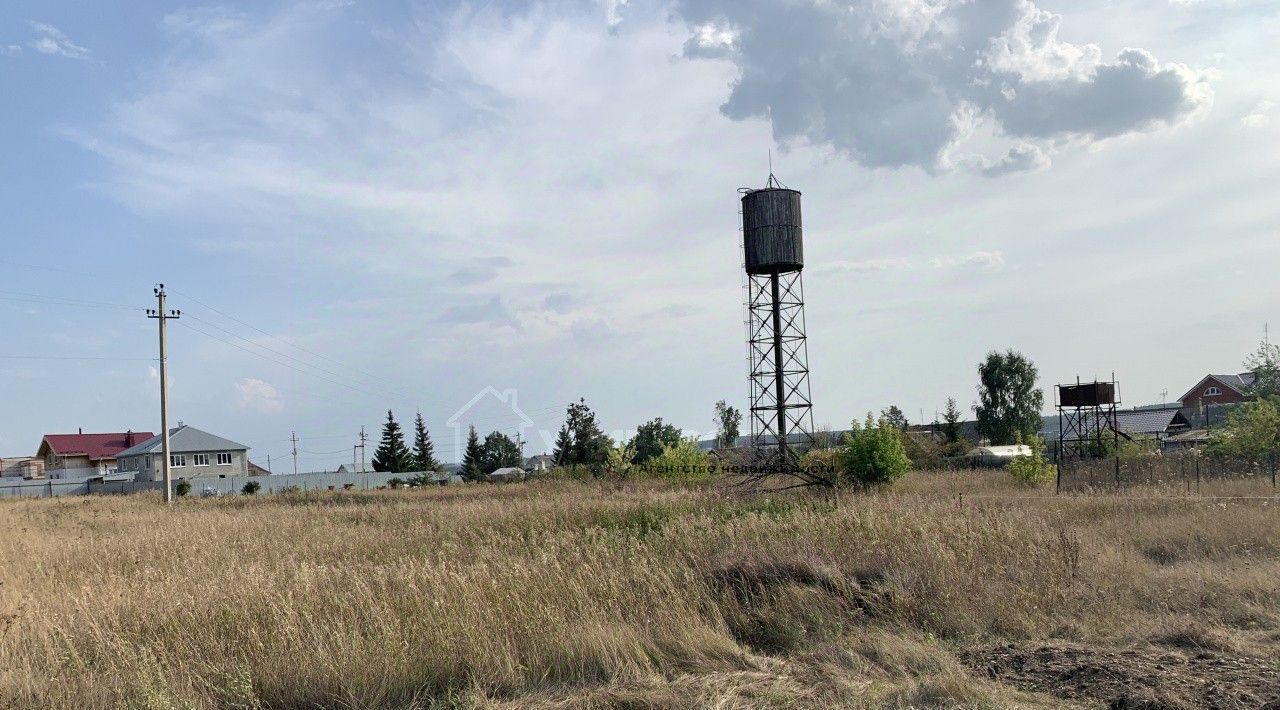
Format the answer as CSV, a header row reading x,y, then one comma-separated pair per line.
x,y
86,451
1218,389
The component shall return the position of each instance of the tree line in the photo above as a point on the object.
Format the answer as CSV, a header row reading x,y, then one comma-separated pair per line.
x,y
580,442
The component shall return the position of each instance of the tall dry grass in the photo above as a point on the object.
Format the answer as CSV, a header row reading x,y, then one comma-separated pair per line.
x,y
577,595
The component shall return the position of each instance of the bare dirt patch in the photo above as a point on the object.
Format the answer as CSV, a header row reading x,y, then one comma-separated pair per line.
x,y
1152,678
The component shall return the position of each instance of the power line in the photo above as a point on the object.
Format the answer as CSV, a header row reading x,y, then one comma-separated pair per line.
x,y
286,342
75,357
281,363
362,388
499,421
285,355
60,301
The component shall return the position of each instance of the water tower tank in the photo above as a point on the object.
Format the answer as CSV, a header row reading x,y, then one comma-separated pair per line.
x,y
771,230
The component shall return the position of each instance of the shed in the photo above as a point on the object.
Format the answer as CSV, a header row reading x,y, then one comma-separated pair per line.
x,y
997,455
506,475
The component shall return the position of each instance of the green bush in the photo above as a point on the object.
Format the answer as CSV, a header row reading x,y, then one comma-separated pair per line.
x,y
578,473
824,463
1032,470
1251,430
683,462
873,454
396,482
251,487
183,488
924,452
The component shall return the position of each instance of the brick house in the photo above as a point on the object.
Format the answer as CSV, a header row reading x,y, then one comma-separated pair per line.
x,y
21,467
66,455
1218,389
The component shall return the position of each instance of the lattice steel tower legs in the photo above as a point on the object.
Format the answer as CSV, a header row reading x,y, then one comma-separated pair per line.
x,y
781,401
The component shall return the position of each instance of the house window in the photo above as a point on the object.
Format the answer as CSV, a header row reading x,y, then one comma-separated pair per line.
x,y
146,463
177,460
1212,392
200,460
224,459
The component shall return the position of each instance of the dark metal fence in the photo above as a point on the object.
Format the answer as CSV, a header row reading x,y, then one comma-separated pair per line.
x,y
1191,472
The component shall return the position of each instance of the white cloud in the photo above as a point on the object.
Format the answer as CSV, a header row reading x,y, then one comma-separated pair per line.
x,y
987,260
258,396
1023,157
51,40
1260,115
613,11
494,118
979,259
153,382
865,265
883,82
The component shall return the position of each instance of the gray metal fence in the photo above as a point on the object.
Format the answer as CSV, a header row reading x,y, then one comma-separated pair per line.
x,y
1189,471
42,488
17,488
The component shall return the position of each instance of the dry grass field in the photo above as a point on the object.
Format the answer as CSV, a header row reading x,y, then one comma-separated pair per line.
x,y
563,595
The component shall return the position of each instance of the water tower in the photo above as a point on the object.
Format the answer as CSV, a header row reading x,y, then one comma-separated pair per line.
x,y
778,352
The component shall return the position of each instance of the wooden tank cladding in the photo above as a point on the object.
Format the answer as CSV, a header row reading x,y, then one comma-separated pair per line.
x,y
772,231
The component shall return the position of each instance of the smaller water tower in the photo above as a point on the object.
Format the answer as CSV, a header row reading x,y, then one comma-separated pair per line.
x,y
778,351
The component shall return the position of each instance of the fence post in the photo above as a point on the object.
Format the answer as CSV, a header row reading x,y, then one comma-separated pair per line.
x,y
1273,472
1117,472
1057,484
1197,474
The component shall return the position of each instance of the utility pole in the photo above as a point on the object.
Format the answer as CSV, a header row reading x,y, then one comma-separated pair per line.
x,y
293,437
268,463
162,316
363,439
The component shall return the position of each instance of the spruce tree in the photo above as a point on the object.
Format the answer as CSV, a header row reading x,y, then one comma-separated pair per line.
x,y
392,456
424,459
590,444
581,442
471,467
953,446
563,446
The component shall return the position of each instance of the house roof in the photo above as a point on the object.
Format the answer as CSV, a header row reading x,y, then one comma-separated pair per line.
x,y
1131,421
1151,421
95,446
353,468
1240,383
185,440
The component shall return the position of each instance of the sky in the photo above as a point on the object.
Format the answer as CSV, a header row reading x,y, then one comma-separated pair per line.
x,y
421,206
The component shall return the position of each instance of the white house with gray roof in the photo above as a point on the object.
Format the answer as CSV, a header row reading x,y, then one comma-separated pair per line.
x,y
193,453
